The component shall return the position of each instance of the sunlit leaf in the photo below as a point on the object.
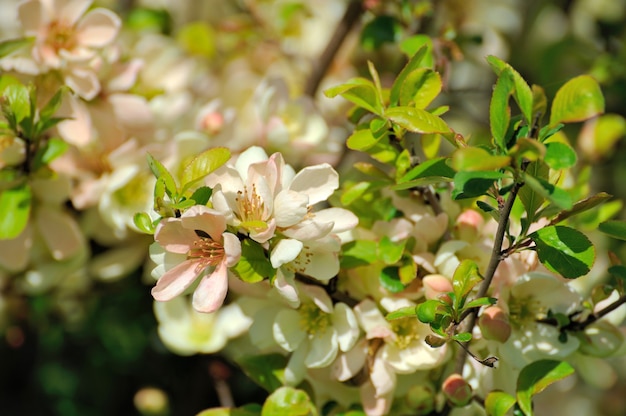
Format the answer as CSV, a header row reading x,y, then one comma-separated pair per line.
x,y
143,221
564,250
390,252
522,94
416,120
409,311
427,311
578,100
203,164
535,377
15,204
410,67
163,175
254,265
389,279
476,159
582,206
18,103
466,276
498,403
266,370
288,401
420,88
474,184
499,110
434,167
359,91
560,155
548,191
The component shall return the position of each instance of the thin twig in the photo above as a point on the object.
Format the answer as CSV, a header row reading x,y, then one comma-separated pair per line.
x,y
350,17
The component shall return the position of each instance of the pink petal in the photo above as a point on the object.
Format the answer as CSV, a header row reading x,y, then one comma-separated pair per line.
x,y
83,82
71,11
211,292
174,237
76,129
98,28
204,219
176,280
232,248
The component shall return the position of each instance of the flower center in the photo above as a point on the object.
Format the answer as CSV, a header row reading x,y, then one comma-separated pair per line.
x,y
250,208
406,330
313,320
525,310
61,36
209,252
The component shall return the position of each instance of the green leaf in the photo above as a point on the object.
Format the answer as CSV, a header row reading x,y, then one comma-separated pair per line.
x,y
266,370
559,155
431,168
428,310
406,312
523,94
548,131
359,91
288,401
52,105
476,303
416,120
546,190
531,199
358,253
498,403
163,175
535,377
197,38
614,228
402,163
9,46
564,250
254,265
474,184
390,279
143,221
412,45
15,206
202,165
499,110
354,192
476,159
578,100
582,206
52,149
602,135
462,337
390,252
202,195
17,99
247,410
411,65
382,29
466,276
420,88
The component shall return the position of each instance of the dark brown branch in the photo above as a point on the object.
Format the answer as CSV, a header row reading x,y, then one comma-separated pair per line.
x,y
350,17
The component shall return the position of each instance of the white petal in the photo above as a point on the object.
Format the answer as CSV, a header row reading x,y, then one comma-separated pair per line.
x,y
346,325
30,16
295,369
309,230
83,82
232,321
285,251
323,350
251,155
351,362
232,248
72,10
318,182
77,129
98,28
342,219
290,208
319,297
369,316
286,287
322,266
287,331
382,376
60,233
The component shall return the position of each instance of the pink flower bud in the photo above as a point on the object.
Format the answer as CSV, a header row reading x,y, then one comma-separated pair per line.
x,y
494,324
212,122
457,390
436,285
468,224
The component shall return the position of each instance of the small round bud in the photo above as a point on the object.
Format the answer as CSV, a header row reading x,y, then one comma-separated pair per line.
x,y
457,390
435,285
421,399
494,324
151,401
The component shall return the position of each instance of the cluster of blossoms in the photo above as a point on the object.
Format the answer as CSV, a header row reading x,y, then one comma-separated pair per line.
x,y
272,255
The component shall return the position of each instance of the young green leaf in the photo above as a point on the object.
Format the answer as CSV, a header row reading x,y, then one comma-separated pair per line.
x,y
15,206
390,252
531,199
559,155
17,103
253,265
462,337
535,377
578,100
358,253
52,105
582,206
476,303
564,250
413,64
427,311
614,228
390,279
202,165
522,94
201,195
288,401
546,190
473,159
162,174
406,312
52,149
498,403
474,184
499,110
434,167
9,46
359,91
143,221
266,370
420,88
416,120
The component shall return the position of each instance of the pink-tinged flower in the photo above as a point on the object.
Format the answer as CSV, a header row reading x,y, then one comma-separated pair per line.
x,y
68,39
198,235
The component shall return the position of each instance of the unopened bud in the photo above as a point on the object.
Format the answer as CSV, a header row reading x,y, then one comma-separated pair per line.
x,y
435,285
151,401
494,324
421,399
212,122
457,390
468,224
